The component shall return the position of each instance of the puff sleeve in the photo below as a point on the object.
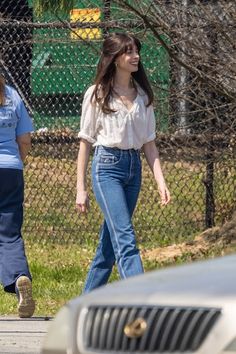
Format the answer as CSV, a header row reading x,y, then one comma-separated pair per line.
x,y
88,121
151,124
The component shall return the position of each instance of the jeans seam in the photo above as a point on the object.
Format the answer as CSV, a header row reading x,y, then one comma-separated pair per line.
x,y
131,164
89,280
112,225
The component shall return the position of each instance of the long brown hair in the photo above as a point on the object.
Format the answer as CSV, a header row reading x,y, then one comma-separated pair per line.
x,y
115,45
2,90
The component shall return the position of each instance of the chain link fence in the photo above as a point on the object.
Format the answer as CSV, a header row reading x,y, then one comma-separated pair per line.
x,y
51,59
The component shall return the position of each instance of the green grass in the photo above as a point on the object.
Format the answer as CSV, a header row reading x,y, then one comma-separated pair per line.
x,y
59,273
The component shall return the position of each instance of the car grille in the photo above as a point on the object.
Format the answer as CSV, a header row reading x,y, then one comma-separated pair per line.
x,y
168,329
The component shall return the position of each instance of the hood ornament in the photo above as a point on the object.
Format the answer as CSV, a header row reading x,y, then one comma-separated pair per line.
x,y
136,328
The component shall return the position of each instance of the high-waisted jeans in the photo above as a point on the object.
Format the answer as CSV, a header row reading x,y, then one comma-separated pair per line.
x,y
116,177
13,262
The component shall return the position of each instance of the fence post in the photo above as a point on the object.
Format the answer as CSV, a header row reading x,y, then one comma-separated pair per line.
x,y
209,184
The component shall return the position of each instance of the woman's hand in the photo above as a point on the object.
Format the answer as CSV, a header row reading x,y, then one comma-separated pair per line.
x,y
82,201
164,194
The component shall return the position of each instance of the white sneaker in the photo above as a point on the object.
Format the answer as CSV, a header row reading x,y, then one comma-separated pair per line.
x,y
26,304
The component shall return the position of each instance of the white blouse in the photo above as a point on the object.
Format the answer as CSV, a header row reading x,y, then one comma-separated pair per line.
x,y
124,129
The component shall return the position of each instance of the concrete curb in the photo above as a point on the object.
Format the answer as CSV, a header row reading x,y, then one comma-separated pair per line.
x,y
22,336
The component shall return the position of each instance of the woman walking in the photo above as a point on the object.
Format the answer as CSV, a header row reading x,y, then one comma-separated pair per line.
x,y
15,141
118,119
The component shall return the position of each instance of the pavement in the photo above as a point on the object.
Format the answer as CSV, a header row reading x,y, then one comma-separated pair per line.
x,y
22,336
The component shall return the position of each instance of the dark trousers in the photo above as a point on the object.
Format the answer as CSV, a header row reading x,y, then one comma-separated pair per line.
x,y
13,261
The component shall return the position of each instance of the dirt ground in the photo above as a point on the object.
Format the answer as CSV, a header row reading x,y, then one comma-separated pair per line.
x,y
214,241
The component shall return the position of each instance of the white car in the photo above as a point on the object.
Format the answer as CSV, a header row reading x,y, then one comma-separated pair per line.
x,y
183,309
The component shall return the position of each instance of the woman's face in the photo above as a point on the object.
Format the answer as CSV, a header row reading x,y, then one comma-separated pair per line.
x,y
129,60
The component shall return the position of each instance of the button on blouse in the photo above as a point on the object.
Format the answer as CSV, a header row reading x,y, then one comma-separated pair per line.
x,y
123,129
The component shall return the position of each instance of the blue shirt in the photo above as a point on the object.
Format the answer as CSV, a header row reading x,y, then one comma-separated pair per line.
x,y
14,121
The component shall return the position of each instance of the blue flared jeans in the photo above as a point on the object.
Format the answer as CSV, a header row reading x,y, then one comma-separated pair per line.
x,y
116,177
13,262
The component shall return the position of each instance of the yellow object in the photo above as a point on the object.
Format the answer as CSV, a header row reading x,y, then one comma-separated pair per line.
x,y
86,15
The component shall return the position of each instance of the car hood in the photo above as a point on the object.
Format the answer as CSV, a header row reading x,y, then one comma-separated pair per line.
x,y
205,283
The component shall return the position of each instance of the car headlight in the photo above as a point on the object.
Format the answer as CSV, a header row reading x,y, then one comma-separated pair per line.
x,y
56,341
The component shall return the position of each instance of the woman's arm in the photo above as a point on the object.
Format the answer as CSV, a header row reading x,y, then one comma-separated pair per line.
x,y
152,157
24,143
82,200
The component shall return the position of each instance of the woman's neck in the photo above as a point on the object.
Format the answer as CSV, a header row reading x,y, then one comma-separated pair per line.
x,y
123,81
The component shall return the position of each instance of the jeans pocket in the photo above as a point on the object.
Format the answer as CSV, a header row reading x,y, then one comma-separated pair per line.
x,y
108,157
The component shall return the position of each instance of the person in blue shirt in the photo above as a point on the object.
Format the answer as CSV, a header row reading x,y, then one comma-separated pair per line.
x,y
15,142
